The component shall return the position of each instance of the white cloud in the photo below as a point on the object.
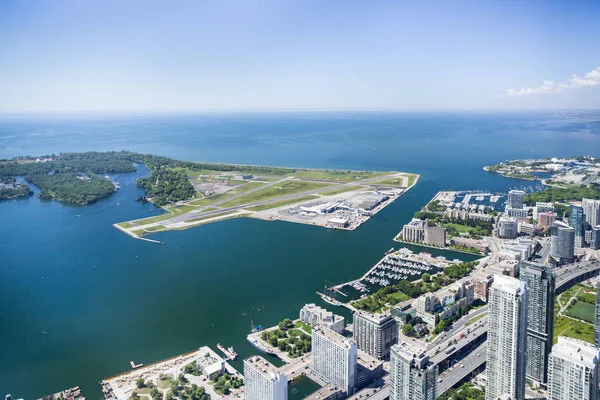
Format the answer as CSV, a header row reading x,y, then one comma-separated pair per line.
x,y
576,82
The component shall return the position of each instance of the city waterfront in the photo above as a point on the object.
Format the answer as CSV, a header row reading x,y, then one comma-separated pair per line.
x,y
103,299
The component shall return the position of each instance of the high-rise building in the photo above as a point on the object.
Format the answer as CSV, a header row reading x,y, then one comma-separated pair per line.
x,y
577,222
507,332
315,315
334,358
263,381
562,242
597,317
573,370
412,375
540,283
507,227
591,210
515,199
434,235
375,334
595,238
546,219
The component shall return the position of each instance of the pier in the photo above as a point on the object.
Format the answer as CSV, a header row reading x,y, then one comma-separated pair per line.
x,y
134,365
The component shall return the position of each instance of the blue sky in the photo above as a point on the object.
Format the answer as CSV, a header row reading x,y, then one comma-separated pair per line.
x,y
63,55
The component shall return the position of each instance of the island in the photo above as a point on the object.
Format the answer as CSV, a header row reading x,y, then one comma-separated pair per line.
x,y
196,193
580,170
11,189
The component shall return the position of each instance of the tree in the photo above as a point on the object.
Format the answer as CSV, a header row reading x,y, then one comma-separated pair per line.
x,y
408,329
426,277
140,383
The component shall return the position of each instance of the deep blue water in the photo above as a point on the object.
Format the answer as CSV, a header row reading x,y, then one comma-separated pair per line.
x,y
105,299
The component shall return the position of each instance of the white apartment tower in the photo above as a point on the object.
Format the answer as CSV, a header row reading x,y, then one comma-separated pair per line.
x,y
412,375
263,381
573,370
591,211
516,199
375,334
507,333
334,358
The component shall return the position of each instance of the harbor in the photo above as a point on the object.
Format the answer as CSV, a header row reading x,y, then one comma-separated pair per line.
x,y
394,267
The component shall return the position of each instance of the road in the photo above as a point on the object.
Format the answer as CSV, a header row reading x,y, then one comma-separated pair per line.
x,y
572,271
452,376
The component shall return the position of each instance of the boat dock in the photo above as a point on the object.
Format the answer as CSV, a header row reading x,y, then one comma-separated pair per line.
x,y
230,353
134,365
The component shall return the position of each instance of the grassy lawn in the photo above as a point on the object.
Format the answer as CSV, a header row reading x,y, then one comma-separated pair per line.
x,y
564,326
336,176
340,190
284,189
582,311
223,214
139,232
476,319
238,190
282,203
125,225
411,179
154,228
307,328
391,182
459,228
172,212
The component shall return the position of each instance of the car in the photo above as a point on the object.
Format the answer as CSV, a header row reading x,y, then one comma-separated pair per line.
x,y
462,365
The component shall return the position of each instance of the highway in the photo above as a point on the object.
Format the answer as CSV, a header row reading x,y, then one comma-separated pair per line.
x,y
566,274
452,376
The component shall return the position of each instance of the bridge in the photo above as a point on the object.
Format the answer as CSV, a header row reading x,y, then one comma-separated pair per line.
x,y
576,272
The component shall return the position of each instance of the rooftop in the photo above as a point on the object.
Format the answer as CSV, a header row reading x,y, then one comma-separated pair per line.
x,y
376,318
265,368
576,351
508,284
332,336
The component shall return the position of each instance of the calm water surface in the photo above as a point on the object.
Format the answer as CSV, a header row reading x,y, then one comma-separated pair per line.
x,y
105,299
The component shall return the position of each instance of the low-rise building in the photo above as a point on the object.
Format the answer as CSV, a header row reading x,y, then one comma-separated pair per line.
x,y
542,207
526,228
476,244
338,222
481,285
546,219
445,303
315,315
369,369
327,392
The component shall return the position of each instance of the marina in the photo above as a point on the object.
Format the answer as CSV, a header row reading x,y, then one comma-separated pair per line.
x,y
394,267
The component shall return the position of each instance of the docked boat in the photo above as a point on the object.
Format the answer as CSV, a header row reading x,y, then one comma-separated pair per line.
x,y
390,251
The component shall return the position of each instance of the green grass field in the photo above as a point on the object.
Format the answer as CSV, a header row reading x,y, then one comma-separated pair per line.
x,y
282,203
399,182
172,212
564,326
582,311
336,176
284,189
459,228
307,328
238,190
125,225
411,179
340,190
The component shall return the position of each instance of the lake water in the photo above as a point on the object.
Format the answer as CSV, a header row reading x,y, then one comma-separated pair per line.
x,y
105,299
